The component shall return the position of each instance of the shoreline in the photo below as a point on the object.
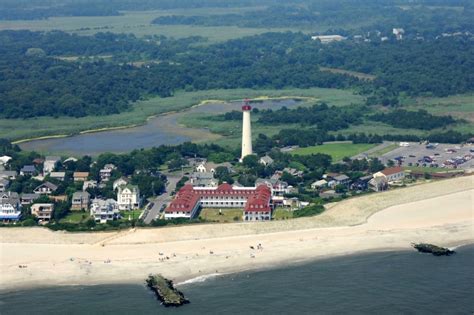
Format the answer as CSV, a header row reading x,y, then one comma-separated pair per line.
x,y
148,118
373,223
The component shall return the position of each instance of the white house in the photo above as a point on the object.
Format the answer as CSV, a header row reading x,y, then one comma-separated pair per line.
x,y
43,211
120,182
211,167
319,184
89,184
10,206
46,188
50,162
398,32
128,197
104,210
8,174
266,160
391,174
106,172
5,159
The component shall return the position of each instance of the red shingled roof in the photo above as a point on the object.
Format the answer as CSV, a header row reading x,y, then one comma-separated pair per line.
x,y
257,199
392,170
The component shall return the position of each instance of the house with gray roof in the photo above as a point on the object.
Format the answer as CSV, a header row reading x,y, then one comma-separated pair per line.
x,y
28,170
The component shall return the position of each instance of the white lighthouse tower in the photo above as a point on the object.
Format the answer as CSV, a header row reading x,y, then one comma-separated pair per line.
x,y
246,130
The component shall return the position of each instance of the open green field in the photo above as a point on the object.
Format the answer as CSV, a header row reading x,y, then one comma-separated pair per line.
x,y
336,150
139,23
18,129
282,214
228,215
135,214
75,217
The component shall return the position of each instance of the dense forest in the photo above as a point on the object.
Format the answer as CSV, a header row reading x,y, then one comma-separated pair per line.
x,y
322,116
415,120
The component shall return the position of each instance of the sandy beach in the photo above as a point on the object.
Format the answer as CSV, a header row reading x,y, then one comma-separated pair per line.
x,y
441,212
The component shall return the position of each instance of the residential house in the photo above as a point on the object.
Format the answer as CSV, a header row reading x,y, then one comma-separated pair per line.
x,y
203,179
294,203
80,200
70,159
27,199
391,174
128,197
378,183
45,188
4,183
28,170
106,172
211,167
266,160
89,184
8,175
43,211
50,163
319,184
104,210
80,176
120,182
5,159
58,175
329,194
278,189
10,207
398,32
293,171
335,179
362,183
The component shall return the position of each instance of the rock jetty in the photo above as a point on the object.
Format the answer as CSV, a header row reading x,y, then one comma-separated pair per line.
x,y
165,291
433,249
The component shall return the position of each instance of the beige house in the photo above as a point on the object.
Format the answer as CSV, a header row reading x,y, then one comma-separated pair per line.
x,y
80,176
43,211
391,174
80,200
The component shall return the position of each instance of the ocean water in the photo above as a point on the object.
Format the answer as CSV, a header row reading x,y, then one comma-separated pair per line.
x,y
376,283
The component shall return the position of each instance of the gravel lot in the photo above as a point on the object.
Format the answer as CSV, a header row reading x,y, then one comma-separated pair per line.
x,y
415,151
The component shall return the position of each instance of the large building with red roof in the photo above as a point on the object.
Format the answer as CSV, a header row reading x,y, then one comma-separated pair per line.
x,y
254,201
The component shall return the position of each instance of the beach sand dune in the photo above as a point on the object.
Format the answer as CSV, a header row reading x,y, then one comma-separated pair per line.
x,y
439,212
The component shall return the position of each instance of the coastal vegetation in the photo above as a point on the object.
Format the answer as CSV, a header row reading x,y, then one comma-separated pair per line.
x,y
165,291
433,249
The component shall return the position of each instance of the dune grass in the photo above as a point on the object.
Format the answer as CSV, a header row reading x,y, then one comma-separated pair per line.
x,y
19,129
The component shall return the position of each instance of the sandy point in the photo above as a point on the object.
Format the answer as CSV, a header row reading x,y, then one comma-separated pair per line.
x,y
439,212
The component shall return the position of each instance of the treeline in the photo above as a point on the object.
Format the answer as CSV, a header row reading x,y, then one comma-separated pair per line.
x,y
321,116
420,119
36,85
419,19
440,67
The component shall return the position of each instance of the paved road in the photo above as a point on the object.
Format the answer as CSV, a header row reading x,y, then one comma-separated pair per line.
x,y
162,199
381,146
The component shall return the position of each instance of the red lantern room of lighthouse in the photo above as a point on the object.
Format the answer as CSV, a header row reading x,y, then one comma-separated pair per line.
x,y
246,106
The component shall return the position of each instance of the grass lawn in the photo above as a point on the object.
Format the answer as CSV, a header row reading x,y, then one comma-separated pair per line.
x,y
135,214
336,150
282,214
228,215
75,217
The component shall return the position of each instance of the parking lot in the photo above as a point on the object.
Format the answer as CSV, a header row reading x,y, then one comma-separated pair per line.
x,y
440,155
